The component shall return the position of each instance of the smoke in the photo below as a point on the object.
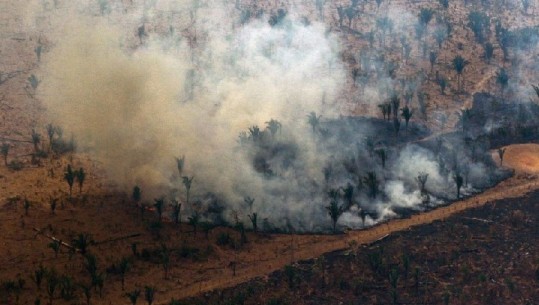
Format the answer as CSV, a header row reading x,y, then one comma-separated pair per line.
x,y
140,85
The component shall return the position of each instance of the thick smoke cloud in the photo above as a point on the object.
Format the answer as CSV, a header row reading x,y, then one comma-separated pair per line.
x,y
142,84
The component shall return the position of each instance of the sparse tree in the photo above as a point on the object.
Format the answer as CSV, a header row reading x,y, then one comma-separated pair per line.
x,y
123,267
82,242
254,219
372,183
335,211
26,206
363,215
501,153
459,181
502,78
177,206
159,205
489,52
69,177
383,156
180,162
422,181
4,149
81,176
459,63
149,294
194,221
407,115
442,82
313,120
55,246
432,58
273,126
133,296
36,139
187,183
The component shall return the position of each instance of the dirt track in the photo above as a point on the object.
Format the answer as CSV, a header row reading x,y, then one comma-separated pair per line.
x,y
307,247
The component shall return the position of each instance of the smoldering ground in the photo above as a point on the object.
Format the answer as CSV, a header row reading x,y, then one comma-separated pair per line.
x,y
143,85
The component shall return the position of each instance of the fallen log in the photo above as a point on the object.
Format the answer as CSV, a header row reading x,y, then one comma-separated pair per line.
x,y
62,243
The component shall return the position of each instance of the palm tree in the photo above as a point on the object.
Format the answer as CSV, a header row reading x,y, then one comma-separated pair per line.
x,y
432,57
407,115
502,78
187,183
422,181
55,246
372,183
137,194
273,126
36,139
348,194
26,205
123,267
194,220
180,162
313,120
383,156
501,153
4,149
82,242
335,211
149,294
50,132
254,218
159,205
133,296
459,63
425,16
69,176
458,181
363,214
177,212
80,175
249,201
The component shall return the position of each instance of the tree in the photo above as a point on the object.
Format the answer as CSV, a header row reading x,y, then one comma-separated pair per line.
x,y
407,115
273,126
526,5
444,3
489,52
149,294
36,139
123,267
180,162
440,35
4,149
395,102
442,82
82,242
459,63
55,246
52,284
363,215
177,212
313,120
159,205
432,58
425,16
254,218
422,181
372,183
52,204
137,194
194,220
335,211
81,176
502,78
69,177
38,276
396,126
458,181
249,201
501,153
383,156
187,183
51,130
165,259
348,194
479,23
133,296
26,205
